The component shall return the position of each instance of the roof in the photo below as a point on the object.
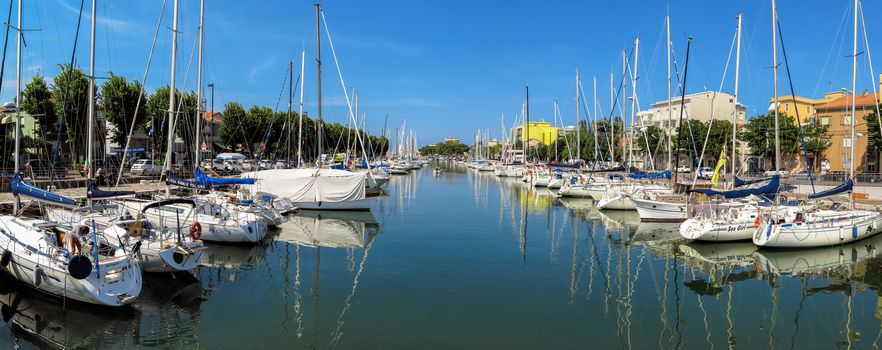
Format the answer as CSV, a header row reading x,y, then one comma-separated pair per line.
x,y
207,117
844,102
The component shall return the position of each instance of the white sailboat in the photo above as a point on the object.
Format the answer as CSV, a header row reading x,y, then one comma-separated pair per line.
x,y
811,227
67,262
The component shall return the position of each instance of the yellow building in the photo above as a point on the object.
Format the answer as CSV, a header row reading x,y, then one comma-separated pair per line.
x,y
540,131
804,107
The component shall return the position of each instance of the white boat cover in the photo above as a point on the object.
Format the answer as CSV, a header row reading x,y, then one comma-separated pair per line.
x,y
311,184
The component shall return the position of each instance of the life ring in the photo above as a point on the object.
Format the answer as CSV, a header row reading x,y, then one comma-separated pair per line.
x,y
75,246
196,230
757,222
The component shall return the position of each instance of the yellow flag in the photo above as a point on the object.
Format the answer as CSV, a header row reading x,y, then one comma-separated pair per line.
x,y
720,163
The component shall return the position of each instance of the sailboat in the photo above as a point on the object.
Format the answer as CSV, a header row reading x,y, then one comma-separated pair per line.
x,y
809,226
220,223
73,262
319,188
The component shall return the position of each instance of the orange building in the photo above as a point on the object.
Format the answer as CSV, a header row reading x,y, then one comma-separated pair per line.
x,y
837,114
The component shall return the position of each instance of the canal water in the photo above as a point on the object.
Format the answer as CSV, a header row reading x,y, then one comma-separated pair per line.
x,y
466,260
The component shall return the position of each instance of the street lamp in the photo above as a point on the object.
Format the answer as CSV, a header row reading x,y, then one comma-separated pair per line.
x,y
211,119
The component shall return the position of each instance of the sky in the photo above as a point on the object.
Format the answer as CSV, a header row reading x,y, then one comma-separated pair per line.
x,y
450,68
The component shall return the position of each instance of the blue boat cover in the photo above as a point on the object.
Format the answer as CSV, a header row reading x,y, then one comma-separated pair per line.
x,y
615,177
769,188
740,182
20,188
843,187
93,192
173,179
220,181
659,175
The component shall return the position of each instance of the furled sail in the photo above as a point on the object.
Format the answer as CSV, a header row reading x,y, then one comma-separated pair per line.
x,y
20,188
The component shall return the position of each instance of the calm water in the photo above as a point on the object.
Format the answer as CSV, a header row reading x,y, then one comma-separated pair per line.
x,y
467,260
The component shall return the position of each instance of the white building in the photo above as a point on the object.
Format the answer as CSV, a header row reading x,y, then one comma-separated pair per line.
x,y
702,106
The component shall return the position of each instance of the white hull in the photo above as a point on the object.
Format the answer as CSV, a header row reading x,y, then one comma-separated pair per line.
x,y
542,182
703,230
574,192
239,227
159,257
658,211
115,281
820,231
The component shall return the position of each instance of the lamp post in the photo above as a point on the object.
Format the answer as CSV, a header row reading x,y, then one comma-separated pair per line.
x,y
211,120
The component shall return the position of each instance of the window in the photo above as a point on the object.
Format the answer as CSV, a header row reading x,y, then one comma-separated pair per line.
x,y
846,141
808,109
846,120
825,120
786,107
845,162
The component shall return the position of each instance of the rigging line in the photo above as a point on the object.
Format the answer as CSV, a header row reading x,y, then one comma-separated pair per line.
x,y
870,66
793,95
682,88
713,104
64,96
839,31
269,129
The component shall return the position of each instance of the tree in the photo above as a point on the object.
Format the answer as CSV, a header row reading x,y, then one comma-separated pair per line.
x,y
37,101
689,139
873,122
817,140
759,133
70,89
232,129
118,100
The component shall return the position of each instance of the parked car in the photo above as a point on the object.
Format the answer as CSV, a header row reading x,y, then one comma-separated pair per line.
x,y
205,164
684,169
868,177
802,175
281,164
145,167
264,164
248,165
217,165
41,168
232,166
782,173
838,176
705,173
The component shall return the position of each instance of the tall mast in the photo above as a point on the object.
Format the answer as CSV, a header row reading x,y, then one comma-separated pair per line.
x,y
318,61
199,88
624,95
16,203
612,115
90,132
527,123
290,107
578,119
634,104
670,111
300,110
170,143
775,69
735,100
853,98
682,104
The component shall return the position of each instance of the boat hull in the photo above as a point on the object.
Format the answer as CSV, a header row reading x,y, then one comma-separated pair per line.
x,y
359,204
818,234
658,211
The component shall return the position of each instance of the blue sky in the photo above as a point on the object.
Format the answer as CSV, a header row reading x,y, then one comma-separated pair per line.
x,y
452,67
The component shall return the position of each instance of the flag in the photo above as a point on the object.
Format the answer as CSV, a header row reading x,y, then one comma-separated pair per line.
x,y
720,163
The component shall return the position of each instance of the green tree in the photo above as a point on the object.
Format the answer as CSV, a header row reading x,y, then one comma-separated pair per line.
x,y
37,101
232,129
70,89
118,100
817,140
873,122
759,133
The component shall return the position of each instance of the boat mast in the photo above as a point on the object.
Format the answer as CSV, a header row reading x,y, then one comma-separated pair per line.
x,y
170,143
527,123
735,100
578,119
300,110
90,132
199,88
775,69
853,99
634,106
596,143
290,107
16,202
670,103
318,61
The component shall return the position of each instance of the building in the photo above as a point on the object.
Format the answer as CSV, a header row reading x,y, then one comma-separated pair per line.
x,y
837,114
702,106
540,132
453,139
803,106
